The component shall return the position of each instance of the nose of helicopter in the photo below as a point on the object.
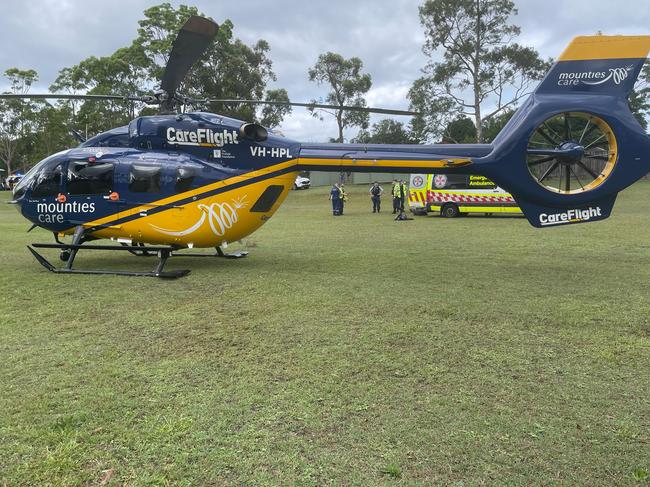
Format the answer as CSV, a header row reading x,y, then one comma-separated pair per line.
x,y
18,196
18,193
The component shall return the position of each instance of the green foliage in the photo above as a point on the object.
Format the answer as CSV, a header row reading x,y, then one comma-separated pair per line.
x,y
640,97
435,111
479,60
21,80
272,115
234,70
347,87
30,130
641,474
463,131
494,125
387,131
229,69
157,32
18,121
122,73
460,131
391,471
52,132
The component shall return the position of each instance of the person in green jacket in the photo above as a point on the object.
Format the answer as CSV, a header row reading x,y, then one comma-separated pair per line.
x,y
396,197
344,198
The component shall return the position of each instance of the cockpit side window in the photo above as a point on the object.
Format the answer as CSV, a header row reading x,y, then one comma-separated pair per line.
x,y
115,141
144,178
48,181
113,138
90,177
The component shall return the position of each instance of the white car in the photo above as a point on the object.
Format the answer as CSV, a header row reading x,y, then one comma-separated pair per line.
x,y
12,181
301,182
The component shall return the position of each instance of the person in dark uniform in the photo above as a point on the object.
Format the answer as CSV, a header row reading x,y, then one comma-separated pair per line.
x,y
375,195
335,198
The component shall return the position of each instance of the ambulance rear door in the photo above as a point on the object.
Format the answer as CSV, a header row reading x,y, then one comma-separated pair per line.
x,y
418,194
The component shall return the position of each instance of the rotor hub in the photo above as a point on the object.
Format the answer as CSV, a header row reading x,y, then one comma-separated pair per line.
x,y
570,153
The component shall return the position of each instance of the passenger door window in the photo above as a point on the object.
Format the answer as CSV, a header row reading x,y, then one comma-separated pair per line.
x,y
90,177
144,178
185,177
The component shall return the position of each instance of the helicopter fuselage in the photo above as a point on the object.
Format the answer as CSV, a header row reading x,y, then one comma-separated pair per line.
x,y
188,180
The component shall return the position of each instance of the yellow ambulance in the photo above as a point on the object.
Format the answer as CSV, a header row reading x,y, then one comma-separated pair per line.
x,y
458,194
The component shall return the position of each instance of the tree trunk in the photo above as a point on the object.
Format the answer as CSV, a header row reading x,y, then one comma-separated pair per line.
x,y
339,121
7,155
477,66
478,121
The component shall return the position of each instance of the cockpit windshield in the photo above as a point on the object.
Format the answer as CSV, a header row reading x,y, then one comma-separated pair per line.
x,y
47,165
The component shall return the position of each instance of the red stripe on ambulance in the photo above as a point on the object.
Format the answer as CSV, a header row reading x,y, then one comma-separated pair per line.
x,y
436,197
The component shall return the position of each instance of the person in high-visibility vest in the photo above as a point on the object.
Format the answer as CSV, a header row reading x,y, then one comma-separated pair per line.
x,y
396,196
401,199
402,195
335,198
344,198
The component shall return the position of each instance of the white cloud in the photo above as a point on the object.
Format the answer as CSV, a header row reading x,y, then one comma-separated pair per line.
x,y
48,35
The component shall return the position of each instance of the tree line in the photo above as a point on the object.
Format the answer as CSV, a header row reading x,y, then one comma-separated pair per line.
x,y
476,75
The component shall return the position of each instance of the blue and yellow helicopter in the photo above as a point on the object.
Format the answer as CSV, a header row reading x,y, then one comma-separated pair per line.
x,y
186,180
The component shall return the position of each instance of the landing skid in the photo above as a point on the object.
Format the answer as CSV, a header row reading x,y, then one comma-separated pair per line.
x,y
163,254
64,270
69,252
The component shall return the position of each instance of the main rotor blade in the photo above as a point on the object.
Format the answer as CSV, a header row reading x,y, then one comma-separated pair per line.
x,y
314,105
66,96
190,44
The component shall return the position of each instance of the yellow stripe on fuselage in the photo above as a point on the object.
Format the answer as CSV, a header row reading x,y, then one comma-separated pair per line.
x,y
277,167
585,48
195,192
208,220
350,164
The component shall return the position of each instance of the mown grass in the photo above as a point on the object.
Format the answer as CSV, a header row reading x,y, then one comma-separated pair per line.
x,y
346,351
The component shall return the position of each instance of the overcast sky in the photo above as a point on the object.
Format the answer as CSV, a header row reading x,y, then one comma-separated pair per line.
x,y
47,35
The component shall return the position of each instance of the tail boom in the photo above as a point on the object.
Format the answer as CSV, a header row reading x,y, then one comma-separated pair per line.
x,y
590,81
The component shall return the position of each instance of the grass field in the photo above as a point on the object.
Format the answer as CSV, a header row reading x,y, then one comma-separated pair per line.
x,y
344,351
